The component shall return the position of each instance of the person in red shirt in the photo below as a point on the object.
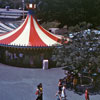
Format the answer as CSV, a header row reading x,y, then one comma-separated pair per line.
x,y
86,95
38,93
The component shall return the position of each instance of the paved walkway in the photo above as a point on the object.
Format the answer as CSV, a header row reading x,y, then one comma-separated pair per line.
x,y
20,84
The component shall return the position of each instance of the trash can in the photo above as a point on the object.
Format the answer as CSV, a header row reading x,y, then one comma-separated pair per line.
x,y
45,64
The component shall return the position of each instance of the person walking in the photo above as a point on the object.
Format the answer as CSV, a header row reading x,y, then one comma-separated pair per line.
x,y
38,93
63,92
41,91
60,85
86,95
58,95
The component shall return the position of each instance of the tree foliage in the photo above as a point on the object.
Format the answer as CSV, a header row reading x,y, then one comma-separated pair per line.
x,y
70,12
67,12
11,3
81,51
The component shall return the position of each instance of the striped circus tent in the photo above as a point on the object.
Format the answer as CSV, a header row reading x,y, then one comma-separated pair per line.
x,y
30,40
30,33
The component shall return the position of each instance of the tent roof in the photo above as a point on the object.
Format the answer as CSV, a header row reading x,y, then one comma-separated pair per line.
x,y
30,33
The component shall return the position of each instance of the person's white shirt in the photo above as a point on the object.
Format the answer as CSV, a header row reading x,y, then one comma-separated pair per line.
x,y
63,93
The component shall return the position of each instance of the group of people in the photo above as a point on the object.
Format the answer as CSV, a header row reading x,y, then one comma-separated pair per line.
x,y
61,93
71,80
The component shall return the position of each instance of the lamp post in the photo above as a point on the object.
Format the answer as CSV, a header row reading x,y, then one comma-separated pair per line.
x,y
23,8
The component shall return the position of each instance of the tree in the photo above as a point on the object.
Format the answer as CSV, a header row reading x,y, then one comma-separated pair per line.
x,y
70,12
66,12
83,49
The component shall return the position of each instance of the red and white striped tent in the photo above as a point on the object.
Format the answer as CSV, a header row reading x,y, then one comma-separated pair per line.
x,y
30,33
